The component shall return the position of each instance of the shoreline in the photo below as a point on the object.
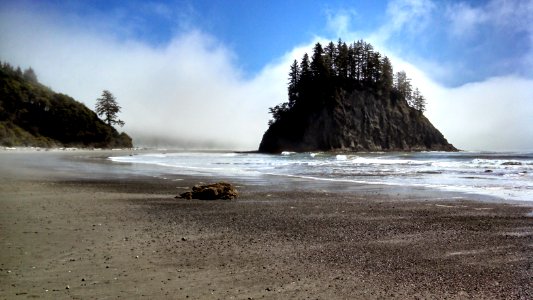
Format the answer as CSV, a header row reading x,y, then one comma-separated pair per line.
x,y
104,233
102,167
89,156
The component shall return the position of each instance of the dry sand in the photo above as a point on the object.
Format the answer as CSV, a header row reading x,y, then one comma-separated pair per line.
x,y
74,232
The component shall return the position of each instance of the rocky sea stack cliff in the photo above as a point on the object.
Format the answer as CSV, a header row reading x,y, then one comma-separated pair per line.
x,y
347,98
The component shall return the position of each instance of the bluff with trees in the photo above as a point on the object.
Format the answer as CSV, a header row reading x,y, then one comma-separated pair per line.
x,y
348,98
34,115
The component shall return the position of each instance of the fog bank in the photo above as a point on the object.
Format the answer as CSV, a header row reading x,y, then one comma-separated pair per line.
x,y
191,93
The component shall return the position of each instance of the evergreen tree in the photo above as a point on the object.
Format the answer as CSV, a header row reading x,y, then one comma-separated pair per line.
x,y
306,77
343,68
7,67
367,62
375,67
403,85
352,63
294,79
305,68
342,60
30,75
318,65
277,112
108,107
330,56
387,76
418,101
358,60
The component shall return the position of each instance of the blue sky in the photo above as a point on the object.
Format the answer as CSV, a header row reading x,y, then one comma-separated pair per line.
x,y
256,31
458,52
476,39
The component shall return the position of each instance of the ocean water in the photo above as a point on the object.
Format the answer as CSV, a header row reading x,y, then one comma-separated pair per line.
x,y
508,176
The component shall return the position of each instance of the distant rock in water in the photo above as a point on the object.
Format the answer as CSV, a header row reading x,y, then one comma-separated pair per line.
x,y
34,115
336,107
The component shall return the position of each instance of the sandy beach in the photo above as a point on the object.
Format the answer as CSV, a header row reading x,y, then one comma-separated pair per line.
x,y
76,226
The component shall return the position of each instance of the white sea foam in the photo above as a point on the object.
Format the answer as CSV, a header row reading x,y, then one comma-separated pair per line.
x,y
480,173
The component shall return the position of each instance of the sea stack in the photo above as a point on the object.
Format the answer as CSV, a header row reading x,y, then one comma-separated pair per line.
x,y
347,98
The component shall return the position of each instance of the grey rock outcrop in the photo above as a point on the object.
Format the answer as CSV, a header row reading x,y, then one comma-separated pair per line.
x,y
359,121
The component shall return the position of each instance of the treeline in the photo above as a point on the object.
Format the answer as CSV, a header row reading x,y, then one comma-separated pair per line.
x,y
28,74
34,115
314,80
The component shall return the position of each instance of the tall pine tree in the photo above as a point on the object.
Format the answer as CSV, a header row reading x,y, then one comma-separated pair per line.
x,y
108,108
294,80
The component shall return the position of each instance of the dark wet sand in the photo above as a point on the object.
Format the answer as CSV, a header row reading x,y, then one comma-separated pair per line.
x,y
90,233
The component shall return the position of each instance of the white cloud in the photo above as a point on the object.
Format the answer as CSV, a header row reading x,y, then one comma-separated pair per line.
x,y
514,13
188,90
465,19
492,114
191,90
407,15
339,21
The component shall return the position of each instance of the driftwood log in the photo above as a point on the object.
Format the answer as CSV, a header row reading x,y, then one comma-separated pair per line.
x,y
220,190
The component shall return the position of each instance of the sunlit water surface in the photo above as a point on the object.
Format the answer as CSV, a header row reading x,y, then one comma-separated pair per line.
x,y
508,176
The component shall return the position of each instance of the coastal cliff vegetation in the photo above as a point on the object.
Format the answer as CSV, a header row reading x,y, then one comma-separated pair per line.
x,y
32,114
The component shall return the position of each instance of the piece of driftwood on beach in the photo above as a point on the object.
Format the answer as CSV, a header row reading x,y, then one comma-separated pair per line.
x,y
219,190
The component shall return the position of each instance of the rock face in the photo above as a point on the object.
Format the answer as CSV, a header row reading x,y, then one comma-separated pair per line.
x,y
358,121
220,190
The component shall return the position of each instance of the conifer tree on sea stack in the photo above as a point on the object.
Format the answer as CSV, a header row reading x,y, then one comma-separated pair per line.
x,y
108,108
348,98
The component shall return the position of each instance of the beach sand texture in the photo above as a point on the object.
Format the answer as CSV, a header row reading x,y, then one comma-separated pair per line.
x,y
69,233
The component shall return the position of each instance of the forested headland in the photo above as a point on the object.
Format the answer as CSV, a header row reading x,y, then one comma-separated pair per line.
x,y
32,114
347,97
